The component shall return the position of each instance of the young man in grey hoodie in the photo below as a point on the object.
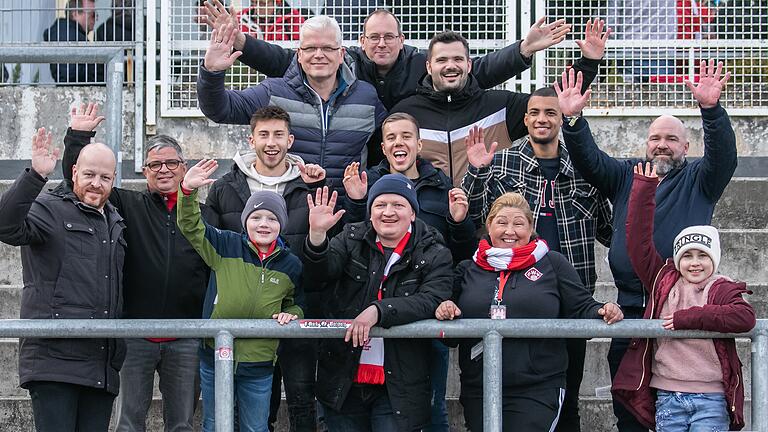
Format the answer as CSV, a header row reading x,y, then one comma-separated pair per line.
x,y
269,166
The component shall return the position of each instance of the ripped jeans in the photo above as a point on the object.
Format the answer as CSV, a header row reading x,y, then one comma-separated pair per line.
x,y
694,412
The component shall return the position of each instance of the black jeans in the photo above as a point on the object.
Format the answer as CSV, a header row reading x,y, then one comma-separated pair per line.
x,y
570,421
522,411
64,407
625,421
297,366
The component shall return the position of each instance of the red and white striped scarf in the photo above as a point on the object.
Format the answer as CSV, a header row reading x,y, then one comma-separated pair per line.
x,y
371,367
503,259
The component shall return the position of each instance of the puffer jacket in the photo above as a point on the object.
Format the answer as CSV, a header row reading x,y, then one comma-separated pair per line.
x,y
332,134
72,257
352,265
726,312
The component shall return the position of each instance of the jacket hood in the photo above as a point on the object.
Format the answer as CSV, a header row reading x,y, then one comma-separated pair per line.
x,y
245,160
468,92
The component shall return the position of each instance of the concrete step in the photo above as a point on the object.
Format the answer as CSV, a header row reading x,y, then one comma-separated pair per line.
x,y
743,204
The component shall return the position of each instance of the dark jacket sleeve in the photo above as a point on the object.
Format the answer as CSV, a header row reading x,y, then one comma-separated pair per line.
x,y
22,220
720,159
604,231
355,210
270,59
435,287
325,262
575,299
732,315
227,106
213,204
496,67
461,237
646,260
74,141
597,168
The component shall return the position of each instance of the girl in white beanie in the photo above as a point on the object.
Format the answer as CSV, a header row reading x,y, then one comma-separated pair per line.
x,y
682,384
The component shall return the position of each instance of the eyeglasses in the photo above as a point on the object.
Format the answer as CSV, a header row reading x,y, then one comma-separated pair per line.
x,y
170,164
388,38
323,49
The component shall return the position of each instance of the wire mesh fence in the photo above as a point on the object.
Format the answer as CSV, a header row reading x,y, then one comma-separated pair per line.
x,y
64,22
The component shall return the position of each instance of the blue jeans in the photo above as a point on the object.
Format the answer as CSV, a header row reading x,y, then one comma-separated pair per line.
x,y
439,374
366,409
251,395
694,412
176,363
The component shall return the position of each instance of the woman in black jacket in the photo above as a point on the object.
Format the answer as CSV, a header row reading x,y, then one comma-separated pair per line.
x,y
515,275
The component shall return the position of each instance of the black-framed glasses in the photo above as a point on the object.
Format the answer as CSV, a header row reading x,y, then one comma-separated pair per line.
x,y
323,49
171,164
376,38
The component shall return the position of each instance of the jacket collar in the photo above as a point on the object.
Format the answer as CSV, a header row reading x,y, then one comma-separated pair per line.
x,y
110,211
470,89
530,161
428,174
294,76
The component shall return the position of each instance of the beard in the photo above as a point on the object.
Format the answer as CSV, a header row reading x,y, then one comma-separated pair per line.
x,y
665,165
98,203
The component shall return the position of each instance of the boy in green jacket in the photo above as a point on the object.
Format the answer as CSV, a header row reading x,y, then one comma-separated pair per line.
x,y
253,277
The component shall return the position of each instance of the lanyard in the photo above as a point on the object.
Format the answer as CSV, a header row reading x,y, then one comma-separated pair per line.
x,y
503,276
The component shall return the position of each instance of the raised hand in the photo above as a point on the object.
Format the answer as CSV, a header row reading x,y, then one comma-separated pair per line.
x,y
215,14
572,102
477,155
311,173
197,176
707,90
458,204
219,55
44,156
321,215
85,118
355,184
650,170
593,44
542,36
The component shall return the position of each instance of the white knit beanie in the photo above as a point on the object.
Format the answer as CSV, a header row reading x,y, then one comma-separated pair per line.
x,y
702,237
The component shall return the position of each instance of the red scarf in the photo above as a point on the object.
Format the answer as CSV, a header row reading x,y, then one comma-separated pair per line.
x,y
502,259
371,368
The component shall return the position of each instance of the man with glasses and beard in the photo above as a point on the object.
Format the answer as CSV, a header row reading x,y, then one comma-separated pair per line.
x,y
165,278
686,195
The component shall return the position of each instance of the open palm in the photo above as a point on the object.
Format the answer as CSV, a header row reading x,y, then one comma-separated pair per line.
x,y
707,91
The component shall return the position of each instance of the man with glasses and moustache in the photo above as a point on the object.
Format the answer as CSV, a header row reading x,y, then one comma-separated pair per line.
x,y
333,114
164,277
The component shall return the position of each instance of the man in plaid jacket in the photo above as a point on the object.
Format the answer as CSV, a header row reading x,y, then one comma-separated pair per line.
x,y
568,212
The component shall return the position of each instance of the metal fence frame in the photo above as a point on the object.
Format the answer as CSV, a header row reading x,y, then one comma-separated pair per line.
x,y
492,332
112,56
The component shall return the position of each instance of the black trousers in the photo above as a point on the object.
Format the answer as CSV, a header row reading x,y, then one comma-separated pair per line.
x,y
64,407
570,421
527,411
296,367
625,421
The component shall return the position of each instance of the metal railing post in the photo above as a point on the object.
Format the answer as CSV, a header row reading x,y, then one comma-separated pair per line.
x,y
224,383
760,379
492,382
114,105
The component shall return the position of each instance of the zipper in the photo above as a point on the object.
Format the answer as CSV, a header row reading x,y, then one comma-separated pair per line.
x,y
648,340
450,147
733,398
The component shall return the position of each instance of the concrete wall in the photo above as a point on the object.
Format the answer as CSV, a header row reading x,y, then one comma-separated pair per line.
x,y
23,109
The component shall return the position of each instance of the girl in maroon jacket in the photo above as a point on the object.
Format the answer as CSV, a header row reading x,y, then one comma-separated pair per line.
x,y
678,384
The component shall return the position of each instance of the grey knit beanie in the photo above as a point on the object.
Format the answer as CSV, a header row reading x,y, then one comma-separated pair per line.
x,y
266,200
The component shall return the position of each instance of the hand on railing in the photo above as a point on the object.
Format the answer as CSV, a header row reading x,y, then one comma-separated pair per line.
x,y
611,313
220,55
361,326
321,215
707,90
593,44
355,182
85,118
572,102
198,175
44,156
669,322
542,36
447,311
284,318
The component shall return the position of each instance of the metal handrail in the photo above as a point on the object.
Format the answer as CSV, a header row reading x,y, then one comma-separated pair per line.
x,y
492,332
